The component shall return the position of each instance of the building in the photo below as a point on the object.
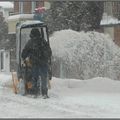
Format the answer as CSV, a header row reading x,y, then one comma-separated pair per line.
x,y
110,22
6,8
26,7
112,8
24,10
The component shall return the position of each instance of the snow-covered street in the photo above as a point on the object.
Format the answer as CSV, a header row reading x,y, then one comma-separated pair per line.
x,y
93,98
74,44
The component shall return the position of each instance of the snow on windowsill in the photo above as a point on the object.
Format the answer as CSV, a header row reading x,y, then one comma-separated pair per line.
x,y
108,20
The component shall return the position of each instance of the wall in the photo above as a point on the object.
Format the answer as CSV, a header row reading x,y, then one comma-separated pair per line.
x,y
47,5
4,61
27,7
110,31
108,8
16,7
6,12
117,35
113,32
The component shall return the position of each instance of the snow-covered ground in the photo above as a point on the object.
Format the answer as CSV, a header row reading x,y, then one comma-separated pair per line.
x,y
69,98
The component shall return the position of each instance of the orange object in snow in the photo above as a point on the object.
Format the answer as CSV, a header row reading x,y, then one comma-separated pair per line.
x,y
15,82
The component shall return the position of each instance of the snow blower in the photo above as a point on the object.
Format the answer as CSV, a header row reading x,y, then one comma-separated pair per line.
x,y
22,82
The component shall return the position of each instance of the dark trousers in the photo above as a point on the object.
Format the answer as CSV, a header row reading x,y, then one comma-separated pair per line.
x,y
40,71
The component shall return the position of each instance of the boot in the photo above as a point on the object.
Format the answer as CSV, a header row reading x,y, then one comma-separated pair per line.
x,y
45,93
45,96
35,96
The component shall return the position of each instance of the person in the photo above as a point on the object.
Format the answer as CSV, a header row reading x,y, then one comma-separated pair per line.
x,y
38,51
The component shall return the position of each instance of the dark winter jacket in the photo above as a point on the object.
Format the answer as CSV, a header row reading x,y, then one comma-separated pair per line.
x,y
38,50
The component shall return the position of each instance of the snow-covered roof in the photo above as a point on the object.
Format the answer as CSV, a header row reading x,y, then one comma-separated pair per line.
x,y
30,22
109,20
20,16
6,4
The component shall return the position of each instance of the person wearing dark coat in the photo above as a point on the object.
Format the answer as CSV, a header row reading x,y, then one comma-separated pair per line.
x,y
39,53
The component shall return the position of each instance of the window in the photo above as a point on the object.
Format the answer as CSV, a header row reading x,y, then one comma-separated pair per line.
x,y
33,6
2,60
20,7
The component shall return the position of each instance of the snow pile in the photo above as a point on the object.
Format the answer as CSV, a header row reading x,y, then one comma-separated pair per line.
x,y
95,85
5,80
85,55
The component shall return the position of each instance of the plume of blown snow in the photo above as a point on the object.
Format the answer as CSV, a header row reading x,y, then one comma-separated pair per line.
x,y
91,52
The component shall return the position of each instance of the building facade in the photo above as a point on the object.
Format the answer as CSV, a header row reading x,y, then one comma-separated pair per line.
x,y
6,8
111,20
26,7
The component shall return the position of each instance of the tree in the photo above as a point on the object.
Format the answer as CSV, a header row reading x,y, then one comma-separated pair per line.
x,y
75,15
3,31
3,28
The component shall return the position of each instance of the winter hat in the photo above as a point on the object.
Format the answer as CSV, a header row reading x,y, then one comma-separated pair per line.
x,y
35,33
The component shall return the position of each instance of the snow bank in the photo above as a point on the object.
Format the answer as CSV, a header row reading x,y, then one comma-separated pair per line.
x,y
85,54
95,85
98,84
